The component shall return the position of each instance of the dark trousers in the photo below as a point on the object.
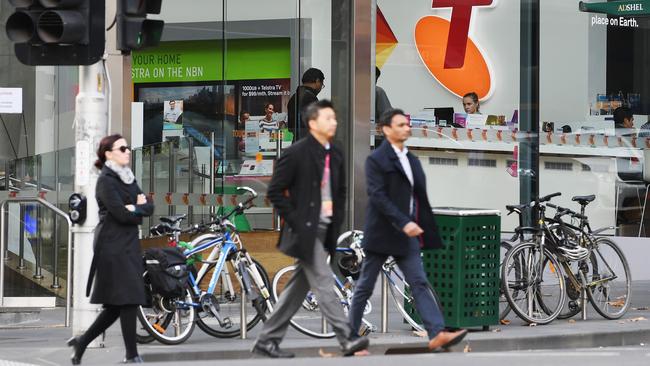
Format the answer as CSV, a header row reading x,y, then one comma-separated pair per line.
x,y
108,316
411,267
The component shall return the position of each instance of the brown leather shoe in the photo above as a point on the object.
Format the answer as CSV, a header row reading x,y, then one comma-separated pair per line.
x,y
446,339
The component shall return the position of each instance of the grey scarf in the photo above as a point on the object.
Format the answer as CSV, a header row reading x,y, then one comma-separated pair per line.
x,y
124,172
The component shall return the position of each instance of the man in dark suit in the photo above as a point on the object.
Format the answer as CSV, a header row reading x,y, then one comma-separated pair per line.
x,y
308,190
399,222
313,81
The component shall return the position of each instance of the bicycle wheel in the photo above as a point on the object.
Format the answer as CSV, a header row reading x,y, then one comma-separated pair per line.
x,y
228,304
142,336
169,321
504,307
539,281
573,302
308,320
401,293
609,284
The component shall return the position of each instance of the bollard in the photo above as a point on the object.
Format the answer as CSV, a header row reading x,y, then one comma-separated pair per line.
x,y
242,319
384,304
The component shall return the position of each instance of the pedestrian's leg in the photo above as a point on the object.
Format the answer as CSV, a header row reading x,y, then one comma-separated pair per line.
x,y
104,320
426,305
363,288
321,281
288,304
128,318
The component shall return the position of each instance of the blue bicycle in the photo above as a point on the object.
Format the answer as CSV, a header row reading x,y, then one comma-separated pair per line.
x,y
213,297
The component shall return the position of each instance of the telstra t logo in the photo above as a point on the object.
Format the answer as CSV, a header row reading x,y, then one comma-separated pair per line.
x,y
447,51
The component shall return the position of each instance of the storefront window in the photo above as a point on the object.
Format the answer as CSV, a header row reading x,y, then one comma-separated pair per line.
x,y
461,93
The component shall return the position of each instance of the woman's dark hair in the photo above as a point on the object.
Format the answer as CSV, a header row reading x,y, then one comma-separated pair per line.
x,y
474,97
106,144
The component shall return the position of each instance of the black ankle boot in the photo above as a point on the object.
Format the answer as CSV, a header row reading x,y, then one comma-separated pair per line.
x,y
75,358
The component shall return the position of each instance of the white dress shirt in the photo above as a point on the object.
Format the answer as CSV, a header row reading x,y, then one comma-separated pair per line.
x,y
406,165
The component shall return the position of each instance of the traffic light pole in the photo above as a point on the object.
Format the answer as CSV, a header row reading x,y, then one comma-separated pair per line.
x,y
91,124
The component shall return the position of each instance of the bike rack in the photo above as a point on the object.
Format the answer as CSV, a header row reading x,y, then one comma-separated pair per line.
x,y
3,246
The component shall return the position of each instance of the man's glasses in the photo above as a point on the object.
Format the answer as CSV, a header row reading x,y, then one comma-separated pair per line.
x,y
123,148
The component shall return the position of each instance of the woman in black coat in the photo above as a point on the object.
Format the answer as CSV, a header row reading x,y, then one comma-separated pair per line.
x,y
116,269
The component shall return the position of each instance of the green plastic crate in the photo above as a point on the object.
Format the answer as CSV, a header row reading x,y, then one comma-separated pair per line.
x,y
465,273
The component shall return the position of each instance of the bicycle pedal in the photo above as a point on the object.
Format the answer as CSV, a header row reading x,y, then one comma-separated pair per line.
x,y
227,323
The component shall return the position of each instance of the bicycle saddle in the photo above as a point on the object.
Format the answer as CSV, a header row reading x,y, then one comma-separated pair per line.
x,y
173,219
584,200
518,208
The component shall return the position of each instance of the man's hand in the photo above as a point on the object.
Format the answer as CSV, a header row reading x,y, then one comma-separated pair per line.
x,y
412,229
142,199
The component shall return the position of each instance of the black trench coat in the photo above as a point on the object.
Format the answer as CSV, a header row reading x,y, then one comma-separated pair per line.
x,y
117,263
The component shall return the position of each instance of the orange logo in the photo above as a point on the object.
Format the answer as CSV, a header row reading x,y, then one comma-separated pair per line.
x,y
445,48
448,52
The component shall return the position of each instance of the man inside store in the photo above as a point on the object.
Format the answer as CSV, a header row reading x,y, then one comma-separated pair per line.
x,y
308,191
313,81
399,223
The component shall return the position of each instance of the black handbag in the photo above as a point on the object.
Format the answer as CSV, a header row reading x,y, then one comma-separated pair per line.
x,y
167,271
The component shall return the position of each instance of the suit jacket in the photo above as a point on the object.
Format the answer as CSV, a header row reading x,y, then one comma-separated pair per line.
x,y
295,192
389,201
303,97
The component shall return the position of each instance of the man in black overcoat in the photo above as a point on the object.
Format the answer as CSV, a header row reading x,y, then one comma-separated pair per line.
x,y
308,190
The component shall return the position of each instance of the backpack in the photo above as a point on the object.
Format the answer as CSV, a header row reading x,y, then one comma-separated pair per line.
x,y
167,271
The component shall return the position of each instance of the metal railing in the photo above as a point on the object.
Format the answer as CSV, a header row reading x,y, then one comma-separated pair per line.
x,y
3,246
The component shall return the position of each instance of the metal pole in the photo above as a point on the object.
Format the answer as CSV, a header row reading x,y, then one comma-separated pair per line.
x,y
212,180
244,331
55,254
38,270
152,176
384,304
21,237
323,324
3,253
172,175
91,121
190,178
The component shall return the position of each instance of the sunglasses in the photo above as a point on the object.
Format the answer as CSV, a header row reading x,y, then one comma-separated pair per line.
x,y
123,148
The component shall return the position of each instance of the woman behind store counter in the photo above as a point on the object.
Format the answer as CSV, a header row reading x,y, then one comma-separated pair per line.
x,y
116,269
471,103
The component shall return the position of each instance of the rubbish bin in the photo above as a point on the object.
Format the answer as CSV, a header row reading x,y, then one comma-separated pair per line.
x,y
465,273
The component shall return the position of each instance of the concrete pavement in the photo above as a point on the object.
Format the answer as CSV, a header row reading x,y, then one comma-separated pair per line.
x,y
28,343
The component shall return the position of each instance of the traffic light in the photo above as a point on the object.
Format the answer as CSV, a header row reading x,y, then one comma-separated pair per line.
x,y
134,30
57,32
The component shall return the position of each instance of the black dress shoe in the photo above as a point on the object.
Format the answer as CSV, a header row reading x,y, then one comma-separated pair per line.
x,y
136,359
270,349
75,358
354,345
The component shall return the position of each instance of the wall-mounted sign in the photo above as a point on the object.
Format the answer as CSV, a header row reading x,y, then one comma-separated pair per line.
x,y
11,100
618,8
448,52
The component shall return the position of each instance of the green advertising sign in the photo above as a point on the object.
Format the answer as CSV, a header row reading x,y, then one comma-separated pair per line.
x,y
186,61
618,8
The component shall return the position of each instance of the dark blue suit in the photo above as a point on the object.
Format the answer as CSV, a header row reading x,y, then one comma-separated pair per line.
x,y
390,195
